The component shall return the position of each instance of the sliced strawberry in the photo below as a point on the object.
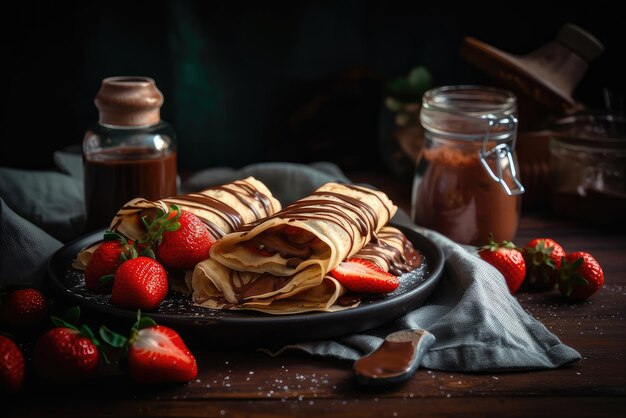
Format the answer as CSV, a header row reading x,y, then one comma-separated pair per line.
x,y
159,354
156,354
362,276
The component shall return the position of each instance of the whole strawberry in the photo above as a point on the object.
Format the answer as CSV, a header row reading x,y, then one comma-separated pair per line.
x,y
11,366
508,260
23,308
543,261
155,353
580,276
362,276
182,240
140,283
105,260
67,353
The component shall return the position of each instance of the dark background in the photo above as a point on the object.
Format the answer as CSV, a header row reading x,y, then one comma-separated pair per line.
x,y
244,84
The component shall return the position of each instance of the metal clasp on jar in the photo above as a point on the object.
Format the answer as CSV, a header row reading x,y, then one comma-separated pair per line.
x,y
502,154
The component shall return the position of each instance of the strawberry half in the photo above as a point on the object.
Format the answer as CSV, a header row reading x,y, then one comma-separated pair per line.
x,y
507,259
543,261
362,276
23,308
140,283
580,276
11,366
155,353
105,261
67,353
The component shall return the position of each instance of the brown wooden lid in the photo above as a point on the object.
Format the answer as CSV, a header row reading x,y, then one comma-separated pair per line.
x,y
129,101
548,75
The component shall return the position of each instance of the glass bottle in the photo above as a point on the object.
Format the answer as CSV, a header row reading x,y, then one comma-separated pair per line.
x,y
130,152
466,184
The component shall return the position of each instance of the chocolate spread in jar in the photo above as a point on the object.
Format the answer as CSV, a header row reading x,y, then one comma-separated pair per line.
x,y
114,178
456,196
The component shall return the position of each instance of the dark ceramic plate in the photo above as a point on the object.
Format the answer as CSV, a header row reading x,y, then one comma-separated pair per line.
x,y
237,328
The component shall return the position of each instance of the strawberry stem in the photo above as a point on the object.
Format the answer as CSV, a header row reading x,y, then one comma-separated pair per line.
x,y
163,222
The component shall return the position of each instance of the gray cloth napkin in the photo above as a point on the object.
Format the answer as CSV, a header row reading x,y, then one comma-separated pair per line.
x,y
478,325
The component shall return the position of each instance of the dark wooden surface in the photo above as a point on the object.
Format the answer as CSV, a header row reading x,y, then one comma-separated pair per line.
x,y
238,383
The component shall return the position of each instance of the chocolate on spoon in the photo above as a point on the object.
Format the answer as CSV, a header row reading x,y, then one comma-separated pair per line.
x,y
396,360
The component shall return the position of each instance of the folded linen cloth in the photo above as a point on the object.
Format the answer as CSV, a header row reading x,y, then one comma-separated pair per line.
x,y
478,325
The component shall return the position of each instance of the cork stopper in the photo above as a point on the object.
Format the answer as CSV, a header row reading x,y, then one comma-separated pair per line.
x,y
129,101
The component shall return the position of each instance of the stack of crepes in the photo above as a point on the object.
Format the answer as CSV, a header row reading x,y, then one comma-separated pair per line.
x,y
223,209
281,265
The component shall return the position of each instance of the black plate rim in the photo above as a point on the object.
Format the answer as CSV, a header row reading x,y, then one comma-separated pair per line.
x,y
252,318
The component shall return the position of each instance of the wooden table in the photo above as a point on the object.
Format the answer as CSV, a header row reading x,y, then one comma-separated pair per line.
x,y
250,383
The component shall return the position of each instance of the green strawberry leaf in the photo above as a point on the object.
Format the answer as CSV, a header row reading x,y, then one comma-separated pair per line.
x,y
145,223
172,227
112,338
106,280
142,322
146,322
71,315
577,263
148,252
59,323
87,332
579,280
114,236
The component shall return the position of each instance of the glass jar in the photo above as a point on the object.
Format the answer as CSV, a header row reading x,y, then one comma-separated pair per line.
x,y
130,152
588,168
466,184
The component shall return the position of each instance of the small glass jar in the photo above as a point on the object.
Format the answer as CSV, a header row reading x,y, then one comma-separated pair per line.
x,y
588,168
130,152
466,184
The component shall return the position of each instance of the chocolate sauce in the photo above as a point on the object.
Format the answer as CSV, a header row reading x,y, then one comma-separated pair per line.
x,y
112,178
397,358
398,261
265,283
231,216
392,358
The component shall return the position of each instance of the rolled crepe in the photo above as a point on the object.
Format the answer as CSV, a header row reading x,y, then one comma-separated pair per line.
x,y
293,250
216,286
222,209
309,238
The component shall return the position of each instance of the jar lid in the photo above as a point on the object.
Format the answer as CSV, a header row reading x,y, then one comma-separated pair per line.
x,y
468,112
129,101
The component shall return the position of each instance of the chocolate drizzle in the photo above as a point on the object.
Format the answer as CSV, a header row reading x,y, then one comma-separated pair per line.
x,y
340,209
246,193
398,260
